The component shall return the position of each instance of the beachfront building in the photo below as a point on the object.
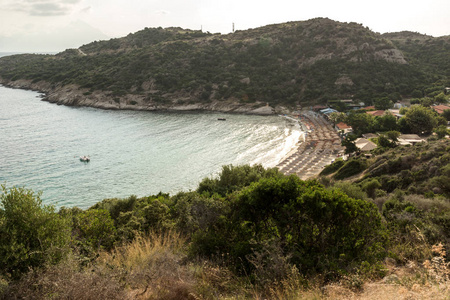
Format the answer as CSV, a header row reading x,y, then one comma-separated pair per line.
x,y
344,128
364,144
327,111
409,139
369,135
396,113
376,113
317,108
440,108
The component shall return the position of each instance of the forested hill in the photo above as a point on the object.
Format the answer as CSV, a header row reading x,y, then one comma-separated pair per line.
x,y
285,64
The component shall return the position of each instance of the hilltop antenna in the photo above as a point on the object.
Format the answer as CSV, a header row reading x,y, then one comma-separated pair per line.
x,y
233,27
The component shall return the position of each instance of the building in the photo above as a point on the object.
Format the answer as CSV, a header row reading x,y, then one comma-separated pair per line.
x,y
343,127
364,144
327,111
319,107
440,108
369,135
376,113
409,139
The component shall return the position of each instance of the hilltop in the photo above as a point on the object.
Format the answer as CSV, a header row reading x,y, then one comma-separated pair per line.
x,y
281,65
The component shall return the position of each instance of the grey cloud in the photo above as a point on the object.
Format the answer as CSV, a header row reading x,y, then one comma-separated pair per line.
x,y
44,7
47,9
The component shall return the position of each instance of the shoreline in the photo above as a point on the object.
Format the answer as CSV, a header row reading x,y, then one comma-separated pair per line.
x,y
73,95
321,146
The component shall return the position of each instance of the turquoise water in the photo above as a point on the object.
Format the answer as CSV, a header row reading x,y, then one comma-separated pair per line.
x,y
132,152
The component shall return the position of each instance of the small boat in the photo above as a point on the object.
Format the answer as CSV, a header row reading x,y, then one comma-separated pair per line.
x,y
85,158
221,119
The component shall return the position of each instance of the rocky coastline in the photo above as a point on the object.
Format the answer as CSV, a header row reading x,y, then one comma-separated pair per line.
x,y
73,95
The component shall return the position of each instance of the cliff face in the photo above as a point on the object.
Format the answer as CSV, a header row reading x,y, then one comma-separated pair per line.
x,y
289,64
73,95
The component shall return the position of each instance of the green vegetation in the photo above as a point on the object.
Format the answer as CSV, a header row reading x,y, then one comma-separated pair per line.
x,y
31,234
250,232
291,63
417,119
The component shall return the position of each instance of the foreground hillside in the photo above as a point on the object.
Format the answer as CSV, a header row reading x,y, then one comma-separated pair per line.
x,y
250,233
281,65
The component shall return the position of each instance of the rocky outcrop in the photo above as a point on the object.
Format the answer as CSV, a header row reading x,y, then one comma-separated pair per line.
x,y
391,55
73,95
344,80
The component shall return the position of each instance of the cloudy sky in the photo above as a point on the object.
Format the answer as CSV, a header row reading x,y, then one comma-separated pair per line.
x,y
55,25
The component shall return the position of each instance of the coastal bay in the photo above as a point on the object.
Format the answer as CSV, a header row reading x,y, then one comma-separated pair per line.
x,y
132,152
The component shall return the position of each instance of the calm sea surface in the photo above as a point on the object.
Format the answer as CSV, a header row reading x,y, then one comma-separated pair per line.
x,y
132,153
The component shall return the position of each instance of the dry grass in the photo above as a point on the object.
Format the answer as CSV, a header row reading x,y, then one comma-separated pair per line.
x,y
66,281
430,281
155,267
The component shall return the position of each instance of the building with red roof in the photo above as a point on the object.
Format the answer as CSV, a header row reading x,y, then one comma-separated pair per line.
x,y
343,127
376,113
440,108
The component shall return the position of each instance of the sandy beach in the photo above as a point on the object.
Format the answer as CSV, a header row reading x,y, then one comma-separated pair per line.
x,y
317,148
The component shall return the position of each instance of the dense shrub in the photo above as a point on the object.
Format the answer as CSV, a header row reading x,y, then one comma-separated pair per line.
x,y
96,228
233,178
350,168
318,229
31,234
331,168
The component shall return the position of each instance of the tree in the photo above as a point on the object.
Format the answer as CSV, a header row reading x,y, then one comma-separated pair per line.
x,y
96,228
31,234
440,98
316,229
349,143
387,122
393,135
360,122
420,119
417,94
383,103
337,117
371,186
441,131
383,141
446,114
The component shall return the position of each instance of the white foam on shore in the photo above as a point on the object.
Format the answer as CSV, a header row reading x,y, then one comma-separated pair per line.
x,y
270,153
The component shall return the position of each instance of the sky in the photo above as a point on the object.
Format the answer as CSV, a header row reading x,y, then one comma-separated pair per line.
x,y
56,25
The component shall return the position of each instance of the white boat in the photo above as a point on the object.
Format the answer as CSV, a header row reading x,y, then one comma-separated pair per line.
x,y
85,158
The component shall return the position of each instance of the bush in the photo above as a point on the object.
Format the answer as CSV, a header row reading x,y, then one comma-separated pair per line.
x,y
350,168
331,168
31,234
233,178
317,229
370,187
96,228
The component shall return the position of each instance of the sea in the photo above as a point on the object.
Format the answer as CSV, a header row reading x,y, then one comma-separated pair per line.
x,y
137,153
